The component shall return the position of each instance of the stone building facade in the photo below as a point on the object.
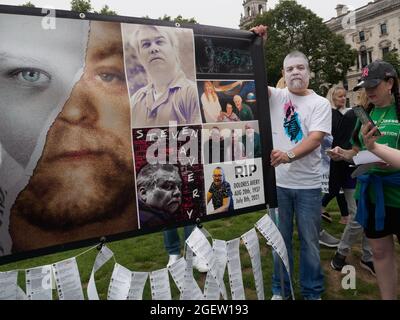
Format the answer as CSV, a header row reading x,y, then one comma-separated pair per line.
x,y
372,30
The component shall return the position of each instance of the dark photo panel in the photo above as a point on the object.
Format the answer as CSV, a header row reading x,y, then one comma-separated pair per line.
x,y
234,141
223,55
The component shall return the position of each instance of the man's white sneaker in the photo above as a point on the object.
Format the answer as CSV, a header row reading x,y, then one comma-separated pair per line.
x,y
276,297
328,240
199,264
172,259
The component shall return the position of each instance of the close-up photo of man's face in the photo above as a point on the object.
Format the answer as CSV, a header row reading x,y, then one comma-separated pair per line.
x,y
218,177
84,172
37,69
156,51
166,195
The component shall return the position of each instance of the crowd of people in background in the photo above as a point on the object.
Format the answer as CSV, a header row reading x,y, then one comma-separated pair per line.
x,y
368,197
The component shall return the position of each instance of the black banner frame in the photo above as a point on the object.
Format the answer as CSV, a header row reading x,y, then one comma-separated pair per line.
x,y
262,105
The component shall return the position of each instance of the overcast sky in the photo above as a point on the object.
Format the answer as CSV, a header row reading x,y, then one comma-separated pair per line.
x,y
223,13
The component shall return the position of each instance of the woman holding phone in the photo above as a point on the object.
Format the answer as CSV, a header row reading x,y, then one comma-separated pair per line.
x,y
378,191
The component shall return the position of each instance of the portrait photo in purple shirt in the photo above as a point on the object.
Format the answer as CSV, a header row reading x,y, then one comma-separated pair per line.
x,y
168,75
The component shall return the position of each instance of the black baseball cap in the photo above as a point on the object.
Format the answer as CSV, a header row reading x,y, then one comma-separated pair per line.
x,y
374,73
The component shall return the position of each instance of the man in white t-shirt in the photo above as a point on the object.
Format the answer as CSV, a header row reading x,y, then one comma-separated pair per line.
x,y
300,119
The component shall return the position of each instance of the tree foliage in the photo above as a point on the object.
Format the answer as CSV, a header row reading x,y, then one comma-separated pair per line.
x,y
86,6
178,19
81,6
107,11
394,59
294,27
28,4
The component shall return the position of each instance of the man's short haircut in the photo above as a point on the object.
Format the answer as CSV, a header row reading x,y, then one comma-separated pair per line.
x,y
171,36
297,54
237,96
147,177
222,171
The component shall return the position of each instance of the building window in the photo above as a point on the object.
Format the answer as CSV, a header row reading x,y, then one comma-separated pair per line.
x,y
370,56
346,84
248,11
364,58
385,51
383,29
361,34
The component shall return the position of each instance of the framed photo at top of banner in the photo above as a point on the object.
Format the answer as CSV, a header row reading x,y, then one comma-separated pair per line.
x,y
116,127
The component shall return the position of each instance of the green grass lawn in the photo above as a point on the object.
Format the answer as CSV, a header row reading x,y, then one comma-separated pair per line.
x,y
147,253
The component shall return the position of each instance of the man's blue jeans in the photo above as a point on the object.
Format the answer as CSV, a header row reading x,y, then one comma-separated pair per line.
x,y
305,206
172,241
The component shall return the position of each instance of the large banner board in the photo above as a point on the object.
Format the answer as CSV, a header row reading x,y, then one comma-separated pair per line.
x,y
117,126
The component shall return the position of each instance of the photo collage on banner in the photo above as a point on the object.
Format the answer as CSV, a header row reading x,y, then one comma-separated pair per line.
x,y
181,172
106,128
233,170
166,124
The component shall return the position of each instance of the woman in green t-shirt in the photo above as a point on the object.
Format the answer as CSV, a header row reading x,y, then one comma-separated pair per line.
x,y
378,191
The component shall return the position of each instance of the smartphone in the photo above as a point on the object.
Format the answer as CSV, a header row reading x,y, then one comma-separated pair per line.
x,y
365,118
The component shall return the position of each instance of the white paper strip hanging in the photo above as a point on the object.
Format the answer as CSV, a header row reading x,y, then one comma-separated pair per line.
x,y
199,244
250,240
120,283
8,285
21,295
274,238
211,288
68,280
138,281
159,284
177,271
235,269
102,257
191,290
39,283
